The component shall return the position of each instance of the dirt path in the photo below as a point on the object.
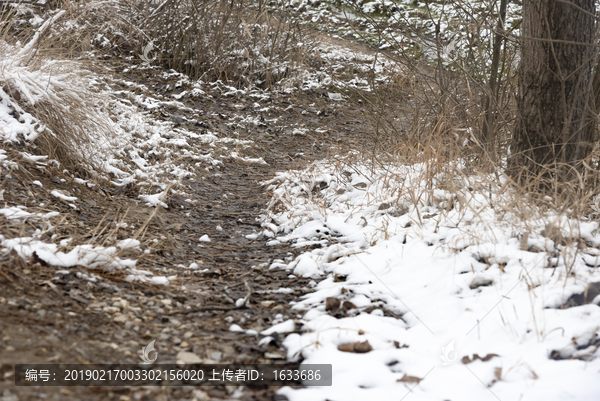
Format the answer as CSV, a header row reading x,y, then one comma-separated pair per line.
x,y
58,317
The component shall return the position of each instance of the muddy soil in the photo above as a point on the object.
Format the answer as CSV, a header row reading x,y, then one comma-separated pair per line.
x,y
51,317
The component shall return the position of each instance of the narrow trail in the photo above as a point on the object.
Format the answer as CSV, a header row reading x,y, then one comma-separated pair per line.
x,y
58,316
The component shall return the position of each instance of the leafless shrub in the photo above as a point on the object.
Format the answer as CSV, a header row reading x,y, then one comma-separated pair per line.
x,y
236,40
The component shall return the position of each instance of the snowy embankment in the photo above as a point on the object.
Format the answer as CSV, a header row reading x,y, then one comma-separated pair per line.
x,y
444,288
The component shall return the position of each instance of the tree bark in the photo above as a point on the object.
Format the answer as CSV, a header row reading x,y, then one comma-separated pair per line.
x,y
551,136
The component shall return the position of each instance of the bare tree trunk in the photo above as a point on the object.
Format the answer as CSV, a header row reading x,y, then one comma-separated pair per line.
x,y
594,105
555,78
592,128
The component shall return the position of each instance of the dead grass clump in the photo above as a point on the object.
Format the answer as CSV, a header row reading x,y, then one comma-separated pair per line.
x,y
49,105
87,30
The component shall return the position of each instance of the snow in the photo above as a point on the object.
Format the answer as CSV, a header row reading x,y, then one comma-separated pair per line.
x,y
20,213
154,200
449,272
146,277
204,238
236,328
128,243
83,255
63,196
284,327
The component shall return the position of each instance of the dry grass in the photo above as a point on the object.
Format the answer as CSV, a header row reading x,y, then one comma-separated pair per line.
x,y
66,119
441,126
237,41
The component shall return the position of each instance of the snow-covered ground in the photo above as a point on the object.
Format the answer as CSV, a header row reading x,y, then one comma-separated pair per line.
x,y
457,291
430,285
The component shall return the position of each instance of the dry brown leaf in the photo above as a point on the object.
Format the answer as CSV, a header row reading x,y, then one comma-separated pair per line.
x,y
466,360
357,347
347,305
332,304
410,379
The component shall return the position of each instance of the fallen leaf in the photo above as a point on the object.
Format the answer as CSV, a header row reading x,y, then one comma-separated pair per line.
x,y
363,347
357,347
332,304
466,360
384,206
347,305
410,379
346,347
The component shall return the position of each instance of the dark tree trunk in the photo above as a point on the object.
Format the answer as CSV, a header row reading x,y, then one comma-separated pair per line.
x,y
551,135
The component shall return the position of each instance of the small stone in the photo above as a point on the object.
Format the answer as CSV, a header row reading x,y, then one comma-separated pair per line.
x,y
120,319
267,304
274,355
7,395
200,395
188,334
188,357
